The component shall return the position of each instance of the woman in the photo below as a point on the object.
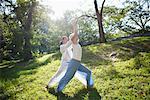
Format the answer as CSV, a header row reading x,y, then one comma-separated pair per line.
x,y
66,51
75,63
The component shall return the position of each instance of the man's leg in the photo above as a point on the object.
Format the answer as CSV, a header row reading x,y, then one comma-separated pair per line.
x,y
88,72
72,68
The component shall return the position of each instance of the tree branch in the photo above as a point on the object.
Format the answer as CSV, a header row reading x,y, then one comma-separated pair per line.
x,y
135,21
141,22
146,21
90,16
102,7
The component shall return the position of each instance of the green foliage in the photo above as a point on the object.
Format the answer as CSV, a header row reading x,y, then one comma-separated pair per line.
x,y
38,38
15,15
112,16
88,30
142,60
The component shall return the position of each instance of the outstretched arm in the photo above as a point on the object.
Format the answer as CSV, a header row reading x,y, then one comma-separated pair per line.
x,y
65,46
74,38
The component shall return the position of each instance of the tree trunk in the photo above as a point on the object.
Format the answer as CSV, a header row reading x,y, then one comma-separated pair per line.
x,y
99,19
27,34
2,44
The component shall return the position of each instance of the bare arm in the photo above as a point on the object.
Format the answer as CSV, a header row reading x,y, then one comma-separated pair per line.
x,y
75,34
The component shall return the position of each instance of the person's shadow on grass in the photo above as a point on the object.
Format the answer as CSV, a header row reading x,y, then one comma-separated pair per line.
x,y
80,95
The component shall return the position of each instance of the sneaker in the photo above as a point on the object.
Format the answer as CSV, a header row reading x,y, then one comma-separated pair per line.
x,y
52,91
60,94
90,89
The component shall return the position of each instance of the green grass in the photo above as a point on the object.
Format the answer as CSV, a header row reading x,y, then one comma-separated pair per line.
x,y
120,71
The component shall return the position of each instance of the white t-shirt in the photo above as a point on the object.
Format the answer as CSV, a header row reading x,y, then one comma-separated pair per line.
x,y
77,51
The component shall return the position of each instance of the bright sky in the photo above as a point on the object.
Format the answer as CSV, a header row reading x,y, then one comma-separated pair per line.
x,y
60,6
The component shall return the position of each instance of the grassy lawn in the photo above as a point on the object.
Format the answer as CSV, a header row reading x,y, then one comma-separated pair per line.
x,y
120,71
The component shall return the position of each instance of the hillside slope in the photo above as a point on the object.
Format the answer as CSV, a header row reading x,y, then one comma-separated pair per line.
x,y
120,71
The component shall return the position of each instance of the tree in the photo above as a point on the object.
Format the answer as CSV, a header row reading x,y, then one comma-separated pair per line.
x,y
2,44
137,17
27,35
100,20
18,18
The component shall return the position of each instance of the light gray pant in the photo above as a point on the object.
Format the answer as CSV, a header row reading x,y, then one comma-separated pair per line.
x,y
73,66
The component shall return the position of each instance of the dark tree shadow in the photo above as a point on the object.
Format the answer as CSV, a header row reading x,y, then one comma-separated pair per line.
x,y
91,59
80,95
15,68
3,94
131,48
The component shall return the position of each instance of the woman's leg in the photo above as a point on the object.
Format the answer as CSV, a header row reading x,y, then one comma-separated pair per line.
x,y
59,74
72,68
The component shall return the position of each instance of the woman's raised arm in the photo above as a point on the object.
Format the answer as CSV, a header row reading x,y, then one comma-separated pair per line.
x,y
74,37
